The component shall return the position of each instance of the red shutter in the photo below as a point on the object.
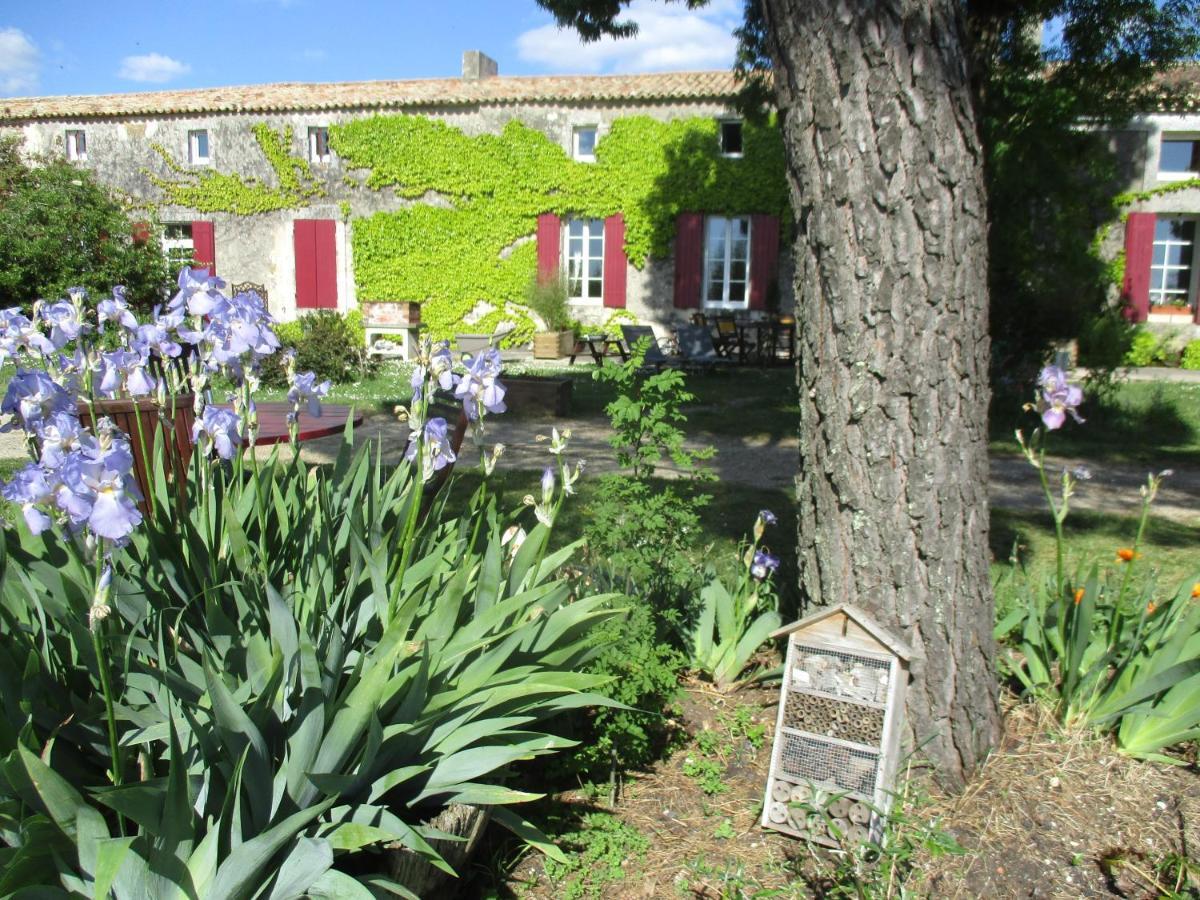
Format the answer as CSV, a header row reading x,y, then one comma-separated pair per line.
x,y
614,262
140,232
325,235
204,247
549,245
764,257
689,260
315,242
1139,251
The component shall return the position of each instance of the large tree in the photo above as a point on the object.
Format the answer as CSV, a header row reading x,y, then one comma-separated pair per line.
x,y
886,178
59,228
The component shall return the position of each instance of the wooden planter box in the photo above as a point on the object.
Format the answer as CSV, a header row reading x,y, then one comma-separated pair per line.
x,y
391,313
141,421
552,395
553,344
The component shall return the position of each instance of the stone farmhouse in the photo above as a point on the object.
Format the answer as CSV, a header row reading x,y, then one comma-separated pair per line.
x,y
1157,230
644,192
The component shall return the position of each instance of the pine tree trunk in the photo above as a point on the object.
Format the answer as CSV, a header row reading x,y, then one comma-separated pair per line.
x,y
886,179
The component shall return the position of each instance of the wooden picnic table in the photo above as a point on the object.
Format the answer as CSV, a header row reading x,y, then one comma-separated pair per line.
x,y
600,347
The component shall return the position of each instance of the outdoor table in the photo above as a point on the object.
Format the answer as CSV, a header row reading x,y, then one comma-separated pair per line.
x,y
600,347
759,339
273,427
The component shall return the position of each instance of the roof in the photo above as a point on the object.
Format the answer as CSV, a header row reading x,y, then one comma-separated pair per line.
x,y
868,624
1177,89
355,95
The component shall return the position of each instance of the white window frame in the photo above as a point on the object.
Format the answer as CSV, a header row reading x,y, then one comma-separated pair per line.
x,y
313,156
1158,273
721,123
578,154
1193,136
194,156
176,246
75,136
581,297
727,264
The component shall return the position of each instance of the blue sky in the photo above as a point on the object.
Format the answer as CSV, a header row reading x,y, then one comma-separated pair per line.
x,y
74,47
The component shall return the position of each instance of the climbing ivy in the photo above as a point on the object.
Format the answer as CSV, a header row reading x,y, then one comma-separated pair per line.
x,y
473,240
1115,267
207,190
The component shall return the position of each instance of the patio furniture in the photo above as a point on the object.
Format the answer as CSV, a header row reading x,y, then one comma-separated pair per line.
x,y
727,339
697,349
599,347
655,357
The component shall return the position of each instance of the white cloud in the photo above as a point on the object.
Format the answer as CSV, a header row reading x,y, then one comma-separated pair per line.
x,y
19,60
152,67
669,37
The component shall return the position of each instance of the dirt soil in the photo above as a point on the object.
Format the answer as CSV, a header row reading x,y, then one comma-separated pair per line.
x,y
1051,815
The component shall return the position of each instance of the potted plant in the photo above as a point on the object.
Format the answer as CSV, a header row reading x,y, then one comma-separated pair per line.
x,y
547,298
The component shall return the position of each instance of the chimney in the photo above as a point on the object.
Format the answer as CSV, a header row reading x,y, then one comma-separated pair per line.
x,y
477,65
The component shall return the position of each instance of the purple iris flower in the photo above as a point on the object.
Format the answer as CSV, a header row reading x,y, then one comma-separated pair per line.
x,y
479,389
65,319
548,481
155,337
767,517
30,487
60,434
98,496
305,390
219,428
199,293
116,309
1057,398
18,334
436,450
124,371
763,565
33,397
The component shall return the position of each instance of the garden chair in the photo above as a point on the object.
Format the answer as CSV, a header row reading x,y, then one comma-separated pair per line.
x,y
656,358
697,349
728,340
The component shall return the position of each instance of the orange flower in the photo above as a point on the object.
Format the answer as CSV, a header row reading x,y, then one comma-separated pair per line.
x,y
1150,607
1078,595
1125,554
1196,591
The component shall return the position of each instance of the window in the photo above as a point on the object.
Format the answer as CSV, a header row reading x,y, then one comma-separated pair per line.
x,y
585,259
1171,267
726,261
76,146
178,245
583,143
731,137
318,144
1179,155
198,148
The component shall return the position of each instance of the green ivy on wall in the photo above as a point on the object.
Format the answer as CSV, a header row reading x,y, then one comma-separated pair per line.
x,y
1115,267
474,242
206,190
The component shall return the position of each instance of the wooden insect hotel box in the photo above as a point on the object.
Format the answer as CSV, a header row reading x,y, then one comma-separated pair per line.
x,y
837,734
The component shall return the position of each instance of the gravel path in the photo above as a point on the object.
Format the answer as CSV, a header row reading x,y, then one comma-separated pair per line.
x,y
764,463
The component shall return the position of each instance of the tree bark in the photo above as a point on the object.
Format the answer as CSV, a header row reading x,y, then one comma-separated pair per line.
x,y
886,179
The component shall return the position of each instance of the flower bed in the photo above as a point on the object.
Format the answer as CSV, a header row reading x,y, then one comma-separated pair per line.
x,y
259,690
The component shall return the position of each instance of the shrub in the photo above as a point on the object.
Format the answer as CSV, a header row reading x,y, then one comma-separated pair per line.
x,y
1105,341
547,297
329,343
643,668
1146,349
1191,356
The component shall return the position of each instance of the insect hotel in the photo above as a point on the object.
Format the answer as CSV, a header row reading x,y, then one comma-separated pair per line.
x,y
837,735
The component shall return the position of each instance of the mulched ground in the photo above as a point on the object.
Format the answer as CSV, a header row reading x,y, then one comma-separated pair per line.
x,y
1052,814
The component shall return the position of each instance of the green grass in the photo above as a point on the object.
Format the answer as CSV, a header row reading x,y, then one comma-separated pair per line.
x,y
1155,423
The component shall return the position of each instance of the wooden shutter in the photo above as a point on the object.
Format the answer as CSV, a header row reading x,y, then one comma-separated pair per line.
x,y
315,242
549,245
689,260
204,247
140,232
764,258
1139,251
614,262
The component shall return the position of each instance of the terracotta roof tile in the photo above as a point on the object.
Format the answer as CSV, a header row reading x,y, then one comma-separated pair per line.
x,y
1177,89
378,95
